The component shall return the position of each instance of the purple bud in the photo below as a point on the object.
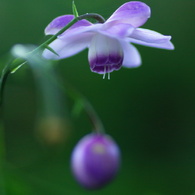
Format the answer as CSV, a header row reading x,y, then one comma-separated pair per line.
x,y
95,160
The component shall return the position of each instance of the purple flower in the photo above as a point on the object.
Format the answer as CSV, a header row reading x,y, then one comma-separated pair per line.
x,y
95,160
109,43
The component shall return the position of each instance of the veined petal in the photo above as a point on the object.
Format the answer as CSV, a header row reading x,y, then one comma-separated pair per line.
x,y
132,57
61,21
135,13
105,54
68,47
149,36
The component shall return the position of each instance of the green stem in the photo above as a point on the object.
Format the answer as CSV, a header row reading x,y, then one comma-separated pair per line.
x,y
92,114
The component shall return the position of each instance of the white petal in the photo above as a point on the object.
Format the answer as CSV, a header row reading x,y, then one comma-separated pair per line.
x,y
132,57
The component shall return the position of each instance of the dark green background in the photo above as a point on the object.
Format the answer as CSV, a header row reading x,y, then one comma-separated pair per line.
x,y
149,111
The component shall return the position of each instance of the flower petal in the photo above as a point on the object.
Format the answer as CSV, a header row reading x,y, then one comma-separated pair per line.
x,y
132,57
135,13
105,54
79,30
166,44
116,30
61,21
149,36
68,47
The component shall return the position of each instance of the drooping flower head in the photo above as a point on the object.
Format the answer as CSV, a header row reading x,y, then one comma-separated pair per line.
x,y
95,160
109,43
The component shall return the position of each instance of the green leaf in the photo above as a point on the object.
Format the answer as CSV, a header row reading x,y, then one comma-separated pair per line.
x,y
74,10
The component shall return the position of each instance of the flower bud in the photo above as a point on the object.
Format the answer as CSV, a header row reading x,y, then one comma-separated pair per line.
x,y
95,160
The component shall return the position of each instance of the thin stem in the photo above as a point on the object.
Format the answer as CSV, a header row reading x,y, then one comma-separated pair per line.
x,y
91,113
95,16
93,116
5,73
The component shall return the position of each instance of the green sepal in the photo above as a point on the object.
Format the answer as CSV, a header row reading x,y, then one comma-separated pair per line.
x,y
74,10
50,49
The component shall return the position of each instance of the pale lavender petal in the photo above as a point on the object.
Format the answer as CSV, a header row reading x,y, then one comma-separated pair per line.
x,y
61,21
135,13
132,57
162,45
68,47
80,30
149,36
116,30
105,54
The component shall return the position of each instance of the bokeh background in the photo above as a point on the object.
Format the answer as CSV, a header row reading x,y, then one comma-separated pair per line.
x,y
149,111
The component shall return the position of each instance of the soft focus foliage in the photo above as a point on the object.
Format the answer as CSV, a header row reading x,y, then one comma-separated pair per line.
x,y
149,111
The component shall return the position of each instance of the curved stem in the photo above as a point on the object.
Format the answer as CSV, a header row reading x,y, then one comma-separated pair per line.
x,y
95,16
89,109
94,118
92,114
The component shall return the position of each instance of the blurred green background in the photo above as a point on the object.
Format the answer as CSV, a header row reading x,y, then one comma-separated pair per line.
x,y
149,111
